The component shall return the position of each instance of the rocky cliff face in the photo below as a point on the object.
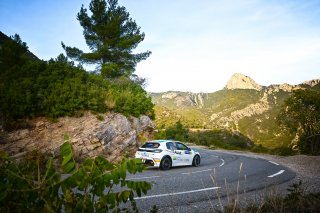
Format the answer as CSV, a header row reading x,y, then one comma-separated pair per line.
x,y
112,137
253,109
240,81
180,99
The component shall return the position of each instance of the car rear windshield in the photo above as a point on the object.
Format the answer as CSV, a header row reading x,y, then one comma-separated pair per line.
x,y
151,145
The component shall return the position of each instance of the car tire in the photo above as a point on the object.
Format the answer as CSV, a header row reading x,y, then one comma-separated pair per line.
x,y
165,163
196,161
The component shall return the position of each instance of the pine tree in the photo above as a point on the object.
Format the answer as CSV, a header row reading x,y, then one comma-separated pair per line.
x,y
111,35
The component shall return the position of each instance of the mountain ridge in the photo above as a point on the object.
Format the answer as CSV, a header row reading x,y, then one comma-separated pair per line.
x,y
248,108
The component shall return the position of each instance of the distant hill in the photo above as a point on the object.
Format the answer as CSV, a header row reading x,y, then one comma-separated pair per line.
x,y
4,38
242,106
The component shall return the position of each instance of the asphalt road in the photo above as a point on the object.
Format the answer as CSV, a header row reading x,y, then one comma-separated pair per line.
x,y
221,176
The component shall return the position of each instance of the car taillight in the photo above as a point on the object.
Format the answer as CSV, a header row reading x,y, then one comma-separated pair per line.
x,y
158,150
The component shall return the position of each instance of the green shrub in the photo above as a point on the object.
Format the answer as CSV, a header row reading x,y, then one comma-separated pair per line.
x,y
212,138
175,132
130,98
100,117
295,201
283,151
56,88
96,185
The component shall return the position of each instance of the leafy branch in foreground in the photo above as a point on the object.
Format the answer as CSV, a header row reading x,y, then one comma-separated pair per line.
x,y
35,185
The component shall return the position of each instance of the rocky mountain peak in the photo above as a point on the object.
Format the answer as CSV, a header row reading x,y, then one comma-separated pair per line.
x,y
240,81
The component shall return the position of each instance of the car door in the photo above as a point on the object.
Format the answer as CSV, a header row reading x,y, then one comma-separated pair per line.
x,y
171,148
184,154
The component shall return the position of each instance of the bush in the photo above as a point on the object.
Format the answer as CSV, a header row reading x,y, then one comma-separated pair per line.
x,y
37,186
301,115
175,132
211,138
295,201
30,87
130,98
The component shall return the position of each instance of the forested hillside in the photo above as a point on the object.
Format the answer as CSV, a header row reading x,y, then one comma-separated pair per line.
x,y
250,112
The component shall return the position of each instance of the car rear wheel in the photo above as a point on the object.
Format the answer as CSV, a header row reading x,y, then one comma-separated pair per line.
x,y
165,163
196,161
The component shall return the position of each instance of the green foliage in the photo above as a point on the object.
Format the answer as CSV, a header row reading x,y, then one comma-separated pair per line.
x,y
296,192
57,88
111,36
130,98
220,138
295,201
258,148
166,118
282,151
301,115
68,163
215,138
175,132
17,76
276,203
100,117
96,185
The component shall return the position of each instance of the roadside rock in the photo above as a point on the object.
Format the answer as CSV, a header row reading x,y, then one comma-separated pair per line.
x,y
112,137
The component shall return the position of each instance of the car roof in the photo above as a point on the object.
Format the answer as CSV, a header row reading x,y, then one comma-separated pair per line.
x,y
161,141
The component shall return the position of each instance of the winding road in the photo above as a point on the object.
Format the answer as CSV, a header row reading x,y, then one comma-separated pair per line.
x,y
221,175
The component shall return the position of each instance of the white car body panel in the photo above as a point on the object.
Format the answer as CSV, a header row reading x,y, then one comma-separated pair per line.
x,y
179,153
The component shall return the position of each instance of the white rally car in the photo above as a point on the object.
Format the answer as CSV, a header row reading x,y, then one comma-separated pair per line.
x,y
167,153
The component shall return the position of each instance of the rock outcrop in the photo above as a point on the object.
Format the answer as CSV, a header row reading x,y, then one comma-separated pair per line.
x,y
284,87
312,83
251,110
184,99
112,135
240,81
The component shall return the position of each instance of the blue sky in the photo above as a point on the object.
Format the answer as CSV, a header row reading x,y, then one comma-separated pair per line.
x,y
196,44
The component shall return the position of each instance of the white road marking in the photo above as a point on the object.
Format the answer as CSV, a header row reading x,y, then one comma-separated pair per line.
x,y
187,173
221,163
278,173
138,178
274,163
176,193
